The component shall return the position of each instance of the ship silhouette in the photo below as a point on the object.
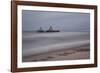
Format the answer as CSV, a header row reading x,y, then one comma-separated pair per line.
x,y
49,30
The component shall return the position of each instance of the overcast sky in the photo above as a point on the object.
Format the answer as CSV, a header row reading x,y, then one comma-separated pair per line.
x,y
63,21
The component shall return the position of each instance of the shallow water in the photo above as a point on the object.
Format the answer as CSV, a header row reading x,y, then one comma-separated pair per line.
x,y
36,43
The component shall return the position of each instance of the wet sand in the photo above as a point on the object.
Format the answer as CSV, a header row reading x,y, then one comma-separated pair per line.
x,y
82,52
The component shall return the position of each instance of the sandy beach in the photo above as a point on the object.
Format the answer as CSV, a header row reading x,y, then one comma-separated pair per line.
x,y
77,53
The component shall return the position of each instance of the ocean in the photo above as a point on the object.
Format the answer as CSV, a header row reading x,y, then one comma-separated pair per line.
x,y
34,43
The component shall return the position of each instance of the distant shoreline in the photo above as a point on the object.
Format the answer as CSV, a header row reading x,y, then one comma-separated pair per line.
x,y
60,31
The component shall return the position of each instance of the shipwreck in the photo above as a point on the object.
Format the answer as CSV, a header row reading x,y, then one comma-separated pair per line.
x,y
49,30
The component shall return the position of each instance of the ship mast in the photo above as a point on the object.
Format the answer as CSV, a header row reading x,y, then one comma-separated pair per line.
x,y
50,28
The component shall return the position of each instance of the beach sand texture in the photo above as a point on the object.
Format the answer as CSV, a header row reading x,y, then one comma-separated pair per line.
x,y
77,53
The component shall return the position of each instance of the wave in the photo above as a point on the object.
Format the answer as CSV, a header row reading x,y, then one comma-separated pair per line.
x,y
47,42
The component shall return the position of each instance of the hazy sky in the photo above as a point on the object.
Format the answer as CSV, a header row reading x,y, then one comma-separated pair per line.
x,y
63,21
